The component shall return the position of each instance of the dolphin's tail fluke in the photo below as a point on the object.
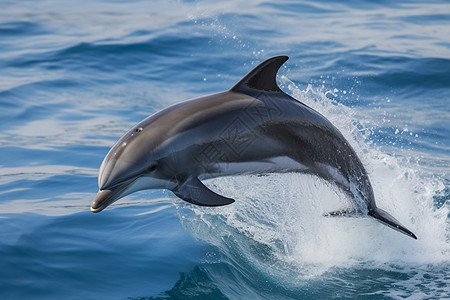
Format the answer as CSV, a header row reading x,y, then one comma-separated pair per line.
x,y
390,221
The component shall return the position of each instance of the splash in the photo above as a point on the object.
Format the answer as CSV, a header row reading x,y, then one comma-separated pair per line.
x,y
276,226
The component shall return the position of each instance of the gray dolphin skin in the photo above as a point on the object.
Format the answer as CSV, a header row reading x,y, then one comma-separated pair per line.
x,y
253,128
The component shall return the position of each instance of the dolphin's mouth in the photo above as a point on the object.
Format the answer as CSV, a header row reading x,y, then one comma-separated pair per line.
x,y
108,196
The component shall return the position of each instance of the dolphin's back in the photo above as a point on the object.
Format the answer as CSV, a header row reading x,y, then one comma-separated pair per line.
x,y
255,123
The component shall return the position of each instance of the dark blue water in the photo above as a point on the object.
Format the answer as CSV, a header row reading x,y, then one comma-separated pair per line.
x,y
74,76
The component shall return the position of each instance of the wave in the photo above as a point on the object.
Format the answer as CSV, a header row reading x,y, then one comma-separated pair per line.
x,y
275,231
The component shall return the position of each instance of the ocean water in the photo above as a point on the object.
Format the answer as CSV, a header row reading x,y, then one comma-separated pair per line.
x,y
76,75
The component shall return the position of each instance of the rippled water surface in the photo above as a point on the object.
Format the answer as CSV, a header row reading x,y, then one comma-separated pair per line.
x,y
76,75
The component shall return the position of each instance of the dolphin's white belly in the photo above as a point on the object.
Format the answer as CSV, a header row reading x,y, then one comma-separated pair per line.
x,y
279,164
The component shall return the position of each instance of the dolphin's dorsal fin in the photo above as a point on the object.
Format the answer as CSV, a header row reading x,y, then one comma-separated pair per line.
x,y
194,191
262,77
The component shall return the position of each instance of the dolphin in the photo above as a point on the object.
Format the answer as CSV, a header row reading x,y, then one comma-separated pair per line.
x,y
253,128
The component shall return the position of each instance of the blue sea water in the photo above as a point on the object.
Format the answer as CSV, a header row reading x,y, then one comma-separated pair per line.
x,y
75,75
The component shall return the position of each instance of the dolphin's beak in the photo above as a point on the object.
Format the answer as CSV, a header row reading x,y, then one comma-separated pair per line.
x,y
108,196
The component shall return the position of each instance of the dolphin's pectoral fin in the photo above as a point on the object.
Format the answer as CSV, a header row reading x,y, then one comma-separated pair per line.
x,y
194,191
343,213
390,221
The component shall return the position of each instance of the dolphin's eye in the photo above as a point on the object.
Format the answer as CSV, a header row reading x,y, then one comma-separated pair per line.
x,y
152,167
139,129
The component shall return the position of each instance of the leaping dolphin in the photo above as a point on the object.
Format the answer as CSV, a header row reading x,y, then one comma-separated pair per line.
x,y
253,128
